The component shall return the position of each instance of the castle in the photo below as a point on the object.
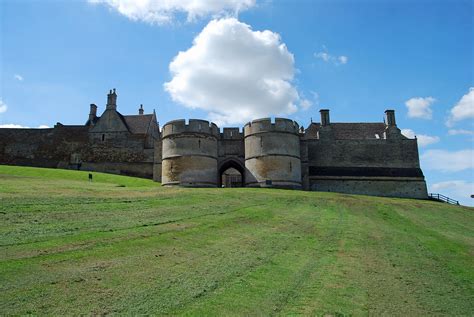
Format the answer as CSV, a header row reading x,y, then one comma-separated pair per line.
x,y
359,158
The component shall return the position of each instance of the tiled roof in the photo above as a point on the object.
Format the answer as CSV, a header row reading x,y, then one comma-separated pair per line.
x,y
350,131
138,124
357,131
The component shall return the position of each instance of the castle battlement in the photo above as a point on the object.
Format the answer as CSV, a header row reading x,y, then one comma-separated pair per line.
x,y
266,125
193,126
232,134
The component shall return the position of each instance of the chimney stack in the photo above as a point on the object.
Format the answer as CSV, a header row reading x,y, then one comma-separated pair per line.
x,y
93,112
140,111
390,118
112,100
324,117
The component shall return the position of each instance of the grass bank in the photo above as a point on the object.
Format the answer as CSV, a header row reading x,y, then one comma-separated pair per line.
x,y
128,246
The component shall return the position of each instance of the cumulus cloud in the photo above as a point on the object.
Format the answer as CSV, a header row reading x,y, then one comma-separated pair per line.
x,y
420,107
19,126
161,12
423,139
235,74
328,58
18,77
3,106
460,132
446,161
464,109
458,189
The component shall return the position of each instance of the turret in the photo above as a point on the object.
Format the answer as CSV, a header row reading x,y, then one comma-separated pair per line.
x,y
324,117
112,100
189,154
272,153
140,111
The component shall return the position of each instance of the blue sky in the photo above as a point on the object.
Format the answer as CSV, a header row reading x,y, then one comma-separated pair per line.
x,y
356,58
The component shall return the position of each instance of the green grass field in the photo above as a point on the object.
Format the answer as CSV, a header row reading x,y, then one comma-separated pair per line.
x,y
123,245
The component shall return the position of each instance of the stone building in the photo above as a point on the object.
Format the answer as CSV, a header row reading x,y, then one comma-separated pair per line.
x,y
359,158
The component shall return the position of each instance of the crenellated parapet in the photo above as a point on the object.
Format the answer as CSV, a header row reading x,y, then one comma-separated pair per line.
x,y
232,134
176,127
266,125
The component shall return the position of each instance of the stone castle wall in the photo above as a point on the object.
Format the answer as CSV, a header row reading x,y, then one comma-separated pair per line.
x,y
373,159
381,167
73,147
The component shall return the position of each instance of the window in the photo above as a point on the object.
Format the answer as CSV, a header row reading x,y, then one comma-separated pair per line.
x,y
103,137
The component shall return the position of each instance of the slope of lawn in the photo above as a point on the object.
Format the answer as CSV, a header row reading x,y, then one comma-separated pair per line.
x,y
122,245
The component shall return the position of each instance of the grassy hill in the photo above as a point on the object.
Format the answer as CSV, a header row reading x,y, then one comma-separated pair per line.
x,y
128,246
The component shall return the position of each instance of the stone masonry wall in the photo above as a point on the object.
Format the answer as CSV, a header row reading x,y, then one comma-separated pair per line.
x,y
72,147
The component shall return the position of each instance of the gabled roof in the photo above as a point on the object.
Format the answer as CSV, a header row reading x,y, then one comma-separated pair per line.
x,y
92,122
138,124
110,121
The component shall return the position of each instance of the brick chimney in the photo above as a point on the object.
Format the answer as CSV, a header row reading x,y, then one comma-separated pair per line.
x,y
112,100
140,111
324,117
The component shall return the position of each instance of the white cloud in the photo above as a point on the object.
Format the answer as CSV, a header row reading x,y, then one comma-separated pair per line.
x,y
420,107
18,77
235,74
305,104
325,56
464,109
460,131
446,161
343,59
3,106
18,126
457,189
423,139
165,11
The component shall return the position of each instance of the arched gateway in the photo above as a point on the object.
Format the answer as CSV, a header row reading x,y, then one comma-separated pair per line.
x,y
231,173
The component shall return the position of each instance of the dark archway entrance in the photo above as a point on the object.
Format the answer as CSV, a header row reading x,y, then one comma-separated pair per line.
x,y
231,174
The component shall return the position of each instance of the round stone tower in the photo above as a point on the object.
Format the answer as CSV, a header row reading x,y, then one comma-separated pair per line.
x,y
272,154
189,153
